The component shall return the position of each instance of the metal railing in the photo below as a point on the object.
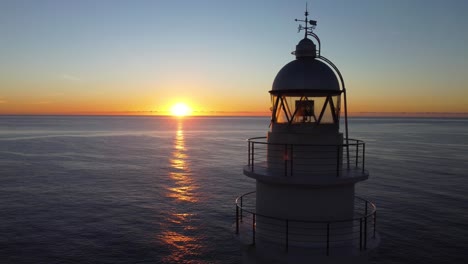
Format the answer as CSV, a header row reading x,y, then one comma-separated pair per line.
x,y
296,159
325,237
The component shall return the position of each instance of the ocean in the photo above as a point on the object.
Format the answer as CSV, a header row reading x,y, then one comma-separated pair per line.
x,y
109,189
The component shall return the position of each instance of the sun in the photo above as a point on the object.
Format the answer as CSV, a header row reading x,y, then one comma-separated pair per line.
x,y
180,109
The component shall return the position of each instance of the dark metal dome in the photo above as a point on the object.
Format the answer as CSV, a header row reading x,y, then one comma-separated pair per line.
x,y
307,74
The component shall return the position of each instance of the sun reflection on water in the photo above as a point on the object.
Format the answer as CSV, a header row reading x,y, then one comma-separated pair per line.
x,y
178,228
181,174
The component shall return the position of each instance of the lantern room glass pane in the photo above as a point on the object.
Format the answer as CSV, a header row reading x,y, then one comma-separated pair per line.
x,y
278,111
327,117
322,109
281,117
330,112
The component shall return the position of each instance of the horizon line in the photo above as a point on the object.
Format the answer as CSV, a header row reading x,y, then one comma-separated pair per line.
x,y
240,114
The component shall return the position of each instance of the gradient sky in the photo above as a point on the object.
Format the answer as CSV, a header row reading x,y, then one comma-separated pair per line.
x,y
69,57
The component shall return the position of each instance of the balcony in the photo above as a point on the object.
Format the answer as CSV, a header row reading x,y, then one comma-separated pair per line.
x,y
338,237
302,163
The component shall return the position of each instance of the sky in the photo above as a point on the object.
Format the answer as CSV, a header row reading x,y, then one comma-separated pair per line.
x,y
221,57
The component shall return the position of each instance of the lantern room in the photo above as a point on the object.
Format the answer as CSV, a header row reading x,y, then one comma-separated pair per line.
x,y
307,90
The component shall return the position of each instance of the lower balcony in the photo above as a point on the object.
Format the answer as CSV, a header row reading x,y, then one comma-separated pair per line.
x,y
344,237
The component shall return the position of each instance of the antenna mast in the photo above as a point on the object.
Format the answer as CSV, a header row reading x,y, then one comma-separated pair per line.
x,y
309,26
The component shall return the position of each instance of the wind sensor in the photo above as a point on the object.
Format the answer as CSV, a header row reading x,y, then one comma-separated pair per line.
x,y
307,30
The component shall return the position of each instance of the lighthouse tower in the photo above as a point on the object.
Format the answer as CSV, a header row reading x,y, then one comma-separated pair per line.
x,y
304,209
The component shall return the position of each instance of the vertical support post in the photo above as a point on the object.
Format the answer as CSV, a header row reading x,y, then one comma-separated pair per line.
x,y
253,156
363,155
375,222
242,206
360,233
365,213
328,239
237,219
357,154
287,235
346,117
365,232
347,156
365,226
253,229
248,155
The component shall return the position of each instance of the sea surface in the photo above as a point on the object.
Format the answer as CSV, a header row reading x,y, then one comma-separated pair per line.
x,y
77,189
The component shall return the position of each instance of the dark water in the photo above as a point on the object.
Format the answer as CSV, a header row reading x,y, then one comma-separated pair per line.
x,y
162,190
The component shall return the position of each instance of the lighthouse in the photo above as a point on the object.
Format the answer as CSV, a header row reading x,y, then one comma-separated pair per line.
x,y
304,208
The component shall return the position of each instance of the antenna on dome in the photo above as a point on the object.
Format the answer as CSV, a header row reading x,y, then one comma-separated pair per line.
x,y
309,26
308,31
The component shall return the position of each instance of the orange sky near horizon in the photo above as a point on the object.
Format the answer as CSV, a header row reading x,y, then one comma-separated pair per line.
x,y
149,104
102,102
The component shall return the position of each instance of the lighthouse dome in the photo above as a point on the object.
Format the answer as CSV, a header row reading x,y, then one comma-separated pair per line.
x,y
306,73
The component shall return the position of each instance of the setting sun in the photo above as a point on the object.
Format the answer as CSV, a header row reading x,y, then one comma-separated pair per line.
x,y
180,109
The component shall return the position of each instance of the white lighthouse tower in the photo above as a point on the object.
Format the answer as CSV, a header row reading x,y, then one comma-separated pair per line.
x,y
304,209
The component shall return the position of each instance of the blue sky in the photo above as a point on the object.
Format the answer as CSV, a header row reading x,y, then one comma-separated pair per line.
x,y
407,56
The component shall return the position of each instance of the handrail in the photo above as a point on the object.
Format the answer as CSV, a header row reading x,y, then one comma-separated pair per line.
x,y
291,159
302,144
374,209
318,235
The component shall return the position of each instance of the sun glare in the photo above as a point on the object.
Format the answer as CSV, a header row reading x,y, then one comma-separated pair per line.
x,y
180,109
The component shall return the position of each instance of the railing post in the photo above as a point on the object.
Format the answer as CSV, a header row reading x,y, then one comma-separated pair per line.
x,y
357,155
237,219
287,235
360,233
375,222
242,206
253,156
363,155
328,239
347,153
365,213
248,155
365,232
253,229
